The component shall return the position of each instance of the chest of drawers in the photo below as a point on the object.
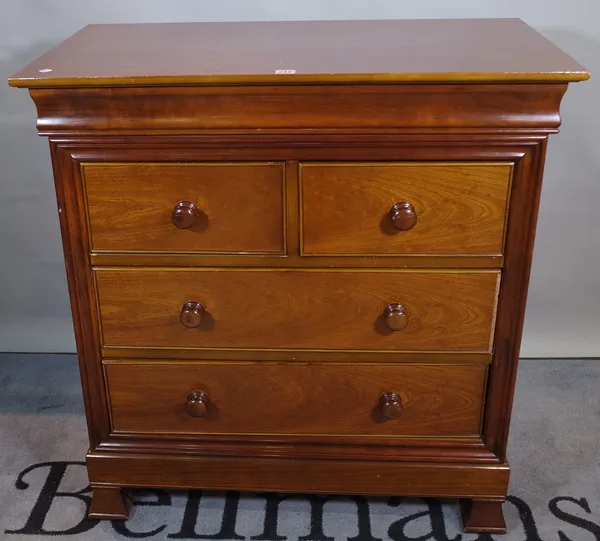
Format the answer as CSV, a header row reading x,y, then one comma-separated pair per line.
x,y
298,253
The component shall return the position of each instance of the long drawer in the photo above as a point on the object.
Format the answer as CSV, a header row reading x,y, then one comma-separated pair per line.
x,y
297,309
308,399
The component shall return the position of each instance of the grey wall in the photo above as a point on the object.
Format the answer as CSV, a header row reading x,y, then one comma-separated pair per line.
x,y
562,316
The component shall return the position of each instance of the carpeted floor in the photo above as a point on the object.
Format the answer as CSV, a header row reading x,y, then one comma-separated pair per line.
x,y
554,453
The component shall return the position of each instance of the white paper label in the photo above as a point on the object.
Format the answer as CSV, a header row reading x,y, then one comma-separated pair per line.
x,y
285,72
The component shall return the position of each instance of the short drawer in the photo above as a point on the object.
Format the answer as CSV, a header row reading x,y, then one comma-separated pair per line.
x,y
310,399
297,309
190,207
404,208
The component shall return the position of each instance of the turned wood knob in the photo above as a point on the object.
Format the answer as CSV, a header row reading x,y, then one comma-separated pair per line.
x,y
403,215
196,403
191,314
391,405
184,214
395,316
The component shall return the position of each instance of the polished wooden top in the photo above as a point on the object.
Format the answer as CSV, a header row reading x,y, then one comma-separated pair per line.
x,y
404,51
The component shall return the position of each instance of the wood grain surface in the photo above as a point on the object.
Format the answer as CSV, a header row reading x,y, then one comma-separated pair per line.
x,y
460,207
391,477
306,51
270,309
252,398
240,206
286,109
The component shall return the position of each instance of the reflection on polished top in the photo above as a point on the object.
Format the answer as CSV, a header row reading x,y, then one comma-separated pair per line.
x,y
449,50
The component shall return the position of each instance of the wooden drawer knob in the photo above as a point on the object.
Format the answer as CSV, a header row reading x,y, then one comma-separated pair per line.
x,y
391,405
395,316
191,314
197,403
403,215
184,214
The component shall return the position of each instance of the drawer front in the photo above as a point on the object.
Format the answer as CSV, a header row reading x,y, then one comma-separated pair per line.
x,y
312,399
297,309
193,207
404,208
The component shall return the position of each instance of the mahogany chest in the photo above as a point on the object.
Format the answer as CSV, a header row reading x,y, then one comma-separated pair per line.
x,y
298,253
